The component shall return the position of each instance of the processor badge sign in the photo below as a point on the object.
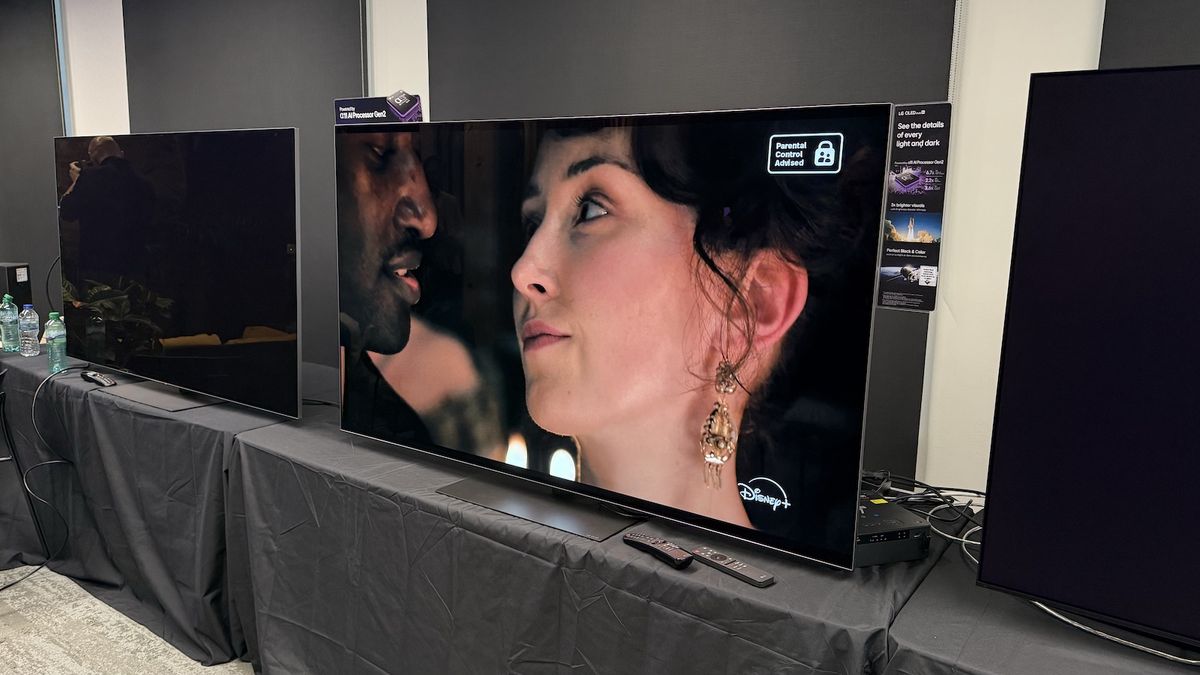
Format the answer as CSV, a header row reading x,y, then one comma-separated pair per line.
x,y
764,491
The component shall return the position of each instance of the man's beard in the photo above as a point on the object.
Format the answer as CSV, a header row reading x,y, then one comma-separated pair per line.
x,y
383,321
391,337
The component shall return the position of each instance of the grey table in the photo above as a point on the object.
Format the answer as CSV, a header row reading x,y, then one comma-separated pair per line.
x,y
144,499
951,625
345,559
83,555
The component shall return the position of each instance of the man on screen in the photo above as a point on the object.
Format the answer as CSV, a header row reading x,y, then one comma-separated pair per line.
x,y
406,378
385,214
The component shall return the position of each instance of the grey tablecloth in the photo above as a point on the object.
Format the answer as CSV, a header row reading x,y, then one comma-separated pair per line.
x,y
145,500
18,539
83,555
953,626
344,559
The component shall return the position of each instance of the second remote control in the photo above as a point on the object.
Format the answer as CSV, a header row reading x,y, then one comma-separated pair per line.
x,y
673,555
733,567
97,378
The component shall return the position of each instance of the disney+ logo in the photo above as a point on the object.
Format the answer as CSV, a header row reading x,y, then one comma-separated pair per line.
x,y
773,495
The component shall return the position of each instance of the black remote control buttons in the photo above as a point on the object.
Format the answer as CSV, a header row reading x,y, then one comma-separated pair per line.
x,y
734,567
659,548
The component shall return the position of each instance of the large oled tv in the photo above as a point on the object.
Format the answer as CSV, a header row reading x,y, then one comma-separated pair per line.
x,y
668,312
179,259
1095,441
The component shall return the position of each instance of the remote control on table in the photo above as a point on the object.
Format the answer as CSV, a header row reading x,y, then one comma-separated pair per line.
x,y
662,549
733,567
98,378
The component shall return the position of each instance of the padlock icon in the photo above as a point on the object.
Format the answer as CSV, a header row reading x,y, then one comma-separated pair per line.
x,y
824,154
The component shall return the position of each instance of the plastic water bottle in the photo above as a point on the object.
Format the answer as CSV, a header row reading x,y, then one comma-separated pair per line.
x,y
56,343
28,322
8,325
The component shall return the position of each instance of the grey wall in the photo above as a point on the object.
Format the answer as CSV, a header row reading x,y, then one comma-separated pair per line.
x,y
542,58
1150,33
233,64
545,57
30,118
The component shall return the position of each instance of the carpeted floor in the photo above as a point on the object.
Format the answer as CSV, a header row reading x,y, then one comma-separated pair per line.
x,y
48,624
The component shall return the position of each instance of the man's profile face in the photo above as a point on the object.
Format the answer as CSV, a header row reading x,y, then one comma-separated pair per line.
x,y
384,212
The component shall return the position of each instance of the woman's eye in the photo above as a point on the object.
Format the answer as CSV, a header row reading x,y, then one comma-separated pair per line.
x,y
589,210
530,223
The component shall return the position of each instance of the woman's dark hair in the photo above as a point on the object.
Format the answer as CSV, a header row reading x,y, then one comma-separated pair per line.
x,y
824,223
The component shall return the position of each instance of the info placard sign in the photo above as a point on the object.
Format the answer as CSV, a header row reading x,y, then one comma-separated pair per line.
x,y
913,223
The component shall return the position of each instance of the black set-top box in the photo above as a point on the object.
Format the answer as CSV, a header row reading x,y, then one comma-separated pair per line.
x,y
889,533
16,283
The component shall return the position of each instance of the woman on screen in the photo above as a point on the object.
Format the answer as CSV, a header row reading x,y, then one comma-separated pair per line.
x,y
660,296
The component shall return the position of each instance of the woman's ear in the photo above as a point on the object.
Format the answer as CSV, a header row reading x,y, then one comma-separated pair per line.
x,y
776,292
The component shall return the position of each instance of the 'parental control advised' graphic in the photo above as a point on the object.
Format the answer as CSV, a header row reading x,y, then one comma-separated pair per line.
x,y
805,153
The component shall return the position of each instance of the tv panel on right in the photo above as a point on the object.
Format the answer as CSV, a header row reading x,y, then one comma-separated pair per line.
x,y
671,313
1095,445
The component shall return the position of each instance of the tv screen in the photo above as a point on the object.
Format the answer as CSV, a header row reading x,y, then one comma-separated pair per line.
x,y
179,259
1095,438
668,312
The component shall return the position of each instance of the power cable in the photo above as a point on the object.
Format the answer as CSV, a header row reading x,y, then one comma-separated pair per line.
x,y
57,513
49,270
25,480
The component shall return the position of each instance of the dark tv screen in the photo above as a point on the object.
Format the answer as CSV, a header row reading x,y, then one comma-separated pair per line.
x,y
668,312
1095,439
179,260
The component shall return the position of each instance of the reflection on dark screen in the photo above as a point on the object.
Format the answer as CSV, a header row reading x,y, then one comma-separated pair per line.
x,y
179,259
1095,441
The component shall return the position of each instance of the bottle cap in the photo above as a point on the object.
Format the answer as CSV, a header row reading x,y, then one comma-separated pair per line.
x,y
28,307
54,315
7,298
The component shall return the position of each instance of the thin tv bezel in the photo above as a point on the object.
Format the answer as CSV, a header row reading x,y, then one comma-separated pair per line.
x,y
295,134
1191,641
843,560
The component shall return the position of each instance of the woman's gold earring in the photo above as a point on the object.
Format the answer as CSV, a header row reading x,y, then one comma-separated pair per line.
x,y
718,438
